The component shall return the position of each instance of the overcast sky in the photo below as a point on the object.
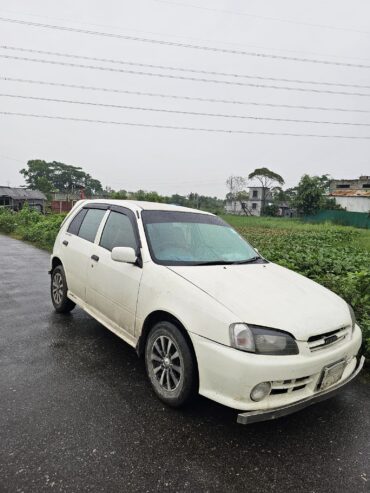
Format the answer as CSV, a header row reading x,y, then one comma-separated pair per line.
x,y
181,161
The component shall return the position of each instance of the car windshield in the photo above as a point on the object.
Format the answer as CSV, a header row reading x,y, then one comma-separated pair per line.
x,y
186,238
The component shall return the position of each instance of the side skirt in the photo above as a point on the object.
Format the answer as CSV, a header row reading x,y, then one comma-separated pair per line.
x,y
112,326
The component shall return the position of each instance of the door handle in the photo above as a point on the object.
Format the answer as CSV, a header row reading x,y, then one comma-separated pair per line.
x,y
95,257
65,243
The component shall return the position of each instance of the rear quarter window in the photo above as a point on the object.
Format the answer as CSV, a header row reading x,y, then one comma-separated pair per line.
x,y
75,224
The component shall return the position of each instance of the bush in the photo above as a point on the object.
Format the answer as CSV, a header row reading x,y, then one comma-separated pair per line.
x,y
32,226
7,221
42,231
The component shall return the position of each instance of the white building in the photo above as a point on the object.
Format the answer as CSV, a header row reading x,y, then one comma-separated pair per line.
x,y
353,200
252,206
352,195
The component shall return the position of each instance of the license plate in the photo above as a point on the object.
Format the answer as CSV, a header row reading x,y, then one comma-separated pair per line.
x,y
332,374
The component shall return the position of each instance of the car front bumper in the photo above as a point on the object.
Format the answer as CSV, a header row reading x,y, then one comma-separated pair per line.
x,y
227,375
256,416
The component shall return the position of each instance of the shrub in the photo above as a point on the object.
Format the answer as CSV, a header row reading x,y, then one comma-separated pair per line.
x,y
7,221
42,231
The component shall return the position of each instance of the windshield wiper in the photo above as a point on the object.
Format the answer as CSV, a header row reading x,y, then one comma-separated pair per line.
x,y
250,260
231,262
216,262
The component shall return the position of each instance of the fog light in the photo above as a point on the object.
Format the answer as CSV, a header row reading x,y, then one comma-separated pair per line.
x,y
260,391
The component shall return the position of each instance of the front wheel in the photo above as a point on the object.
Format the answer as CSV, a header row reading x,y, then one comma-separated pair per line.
x,y
58,291
170,365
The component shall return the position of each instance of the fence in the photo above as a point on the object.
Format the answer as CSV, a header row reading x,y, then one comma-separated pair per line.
x,y
346,218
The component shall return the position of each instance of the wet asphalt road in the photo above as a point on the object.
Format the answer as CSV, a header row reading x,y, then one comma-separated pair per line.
x,y
76,414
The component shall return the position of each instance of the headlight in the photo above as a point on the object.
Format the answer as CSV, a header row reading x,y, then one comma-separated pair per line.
x,y
353,317
261,340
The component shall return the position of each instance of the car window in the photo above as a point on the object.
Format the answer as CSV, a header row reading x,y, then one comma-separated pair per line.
x,y
90,224
118,232
75,224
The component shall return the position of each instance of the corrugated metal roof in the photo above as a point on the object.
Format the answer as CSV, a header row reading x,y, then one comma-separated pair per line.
x,y
21,193
350,193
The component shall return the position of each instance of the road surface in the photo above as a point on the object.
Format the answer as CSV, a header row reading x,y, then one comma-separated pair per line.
x,y
77,414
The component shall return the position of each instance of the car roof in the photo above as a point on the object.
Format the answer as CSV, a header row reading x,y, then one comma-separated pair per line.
x,y
141,205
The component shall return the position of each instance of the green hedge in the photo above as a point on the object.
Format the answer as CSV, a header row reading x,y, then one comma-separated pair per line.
x,y
31,226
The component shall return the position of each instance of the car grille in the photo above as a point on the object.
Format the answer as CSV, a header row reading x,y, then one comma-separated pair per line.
x,y
322,341
288,386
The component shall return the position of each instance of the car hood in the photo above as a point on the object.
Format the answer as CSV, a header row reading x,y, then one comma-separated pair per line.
x,y
271,296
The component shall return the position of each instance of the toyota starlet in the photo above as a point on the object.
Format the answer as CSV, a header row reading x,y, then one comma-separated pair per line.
x,y
206,312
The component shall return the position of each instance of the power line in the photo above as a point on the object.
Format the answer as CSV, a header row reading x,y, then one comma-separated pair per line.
x,y
264,17
172,35
180,112
177,44
181,77
181,69
175,127
184,97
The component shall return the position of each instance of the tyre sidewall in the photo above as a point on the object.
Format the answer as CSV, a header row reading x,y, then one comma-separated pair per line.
x,y
65,303
186,387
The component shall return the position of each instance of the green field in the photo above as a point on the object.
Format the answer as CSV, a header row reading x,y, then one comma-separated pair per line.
x,y
336,256
360,237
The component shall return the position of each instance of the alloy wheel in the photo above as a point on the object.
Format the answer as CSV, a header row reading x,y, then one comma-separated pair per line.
x,y
166,363
57,288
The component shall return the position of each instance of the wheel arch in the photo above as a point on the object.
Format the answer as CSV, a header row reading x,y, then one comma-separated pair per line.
x,y
55,261
161,316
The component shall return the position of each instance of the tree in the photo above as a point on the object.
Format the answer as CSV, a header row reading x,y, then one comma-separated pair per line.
x,y
270,210
193,200
311,195
267,178
59,177
237,191
120,195
38,176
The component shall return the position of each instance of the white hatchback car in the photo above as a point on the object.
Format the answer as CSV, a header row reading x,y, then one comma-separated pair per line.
x,y
207,312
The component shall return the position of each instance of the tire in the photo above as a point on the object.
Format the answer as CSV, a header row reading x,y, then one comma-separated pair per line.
x,y
170,365
58,291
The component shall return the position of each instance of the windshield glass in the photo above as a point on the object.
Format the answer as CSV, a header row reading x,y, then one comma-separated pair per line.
x,y
185,238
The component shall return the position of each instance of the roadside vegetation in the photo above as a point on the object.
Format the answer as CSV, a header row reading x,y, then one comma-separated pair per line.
x,y
30,225
336,256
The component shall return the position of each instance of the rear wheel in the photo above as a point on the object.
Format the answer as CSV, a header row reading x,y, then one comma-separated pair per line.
x,y
170,365
58,291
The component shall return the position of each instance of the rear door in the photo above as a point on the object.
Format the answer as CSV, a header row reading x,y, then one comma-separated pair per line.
x,y
77,245
113,286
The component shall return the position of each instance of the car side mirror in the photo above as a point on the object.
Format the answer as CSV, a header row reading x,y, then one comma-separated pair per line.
x,y
124,254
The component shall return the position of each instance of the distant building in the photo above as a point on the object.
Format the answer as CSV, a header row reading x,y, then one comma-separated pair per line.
x,y
15,198
362,183
233,207
252,206
285,210
352,195
63,202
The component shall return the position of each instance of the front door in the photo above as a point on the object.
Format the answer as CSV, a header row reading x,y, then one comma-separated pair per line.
x,y
112,287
